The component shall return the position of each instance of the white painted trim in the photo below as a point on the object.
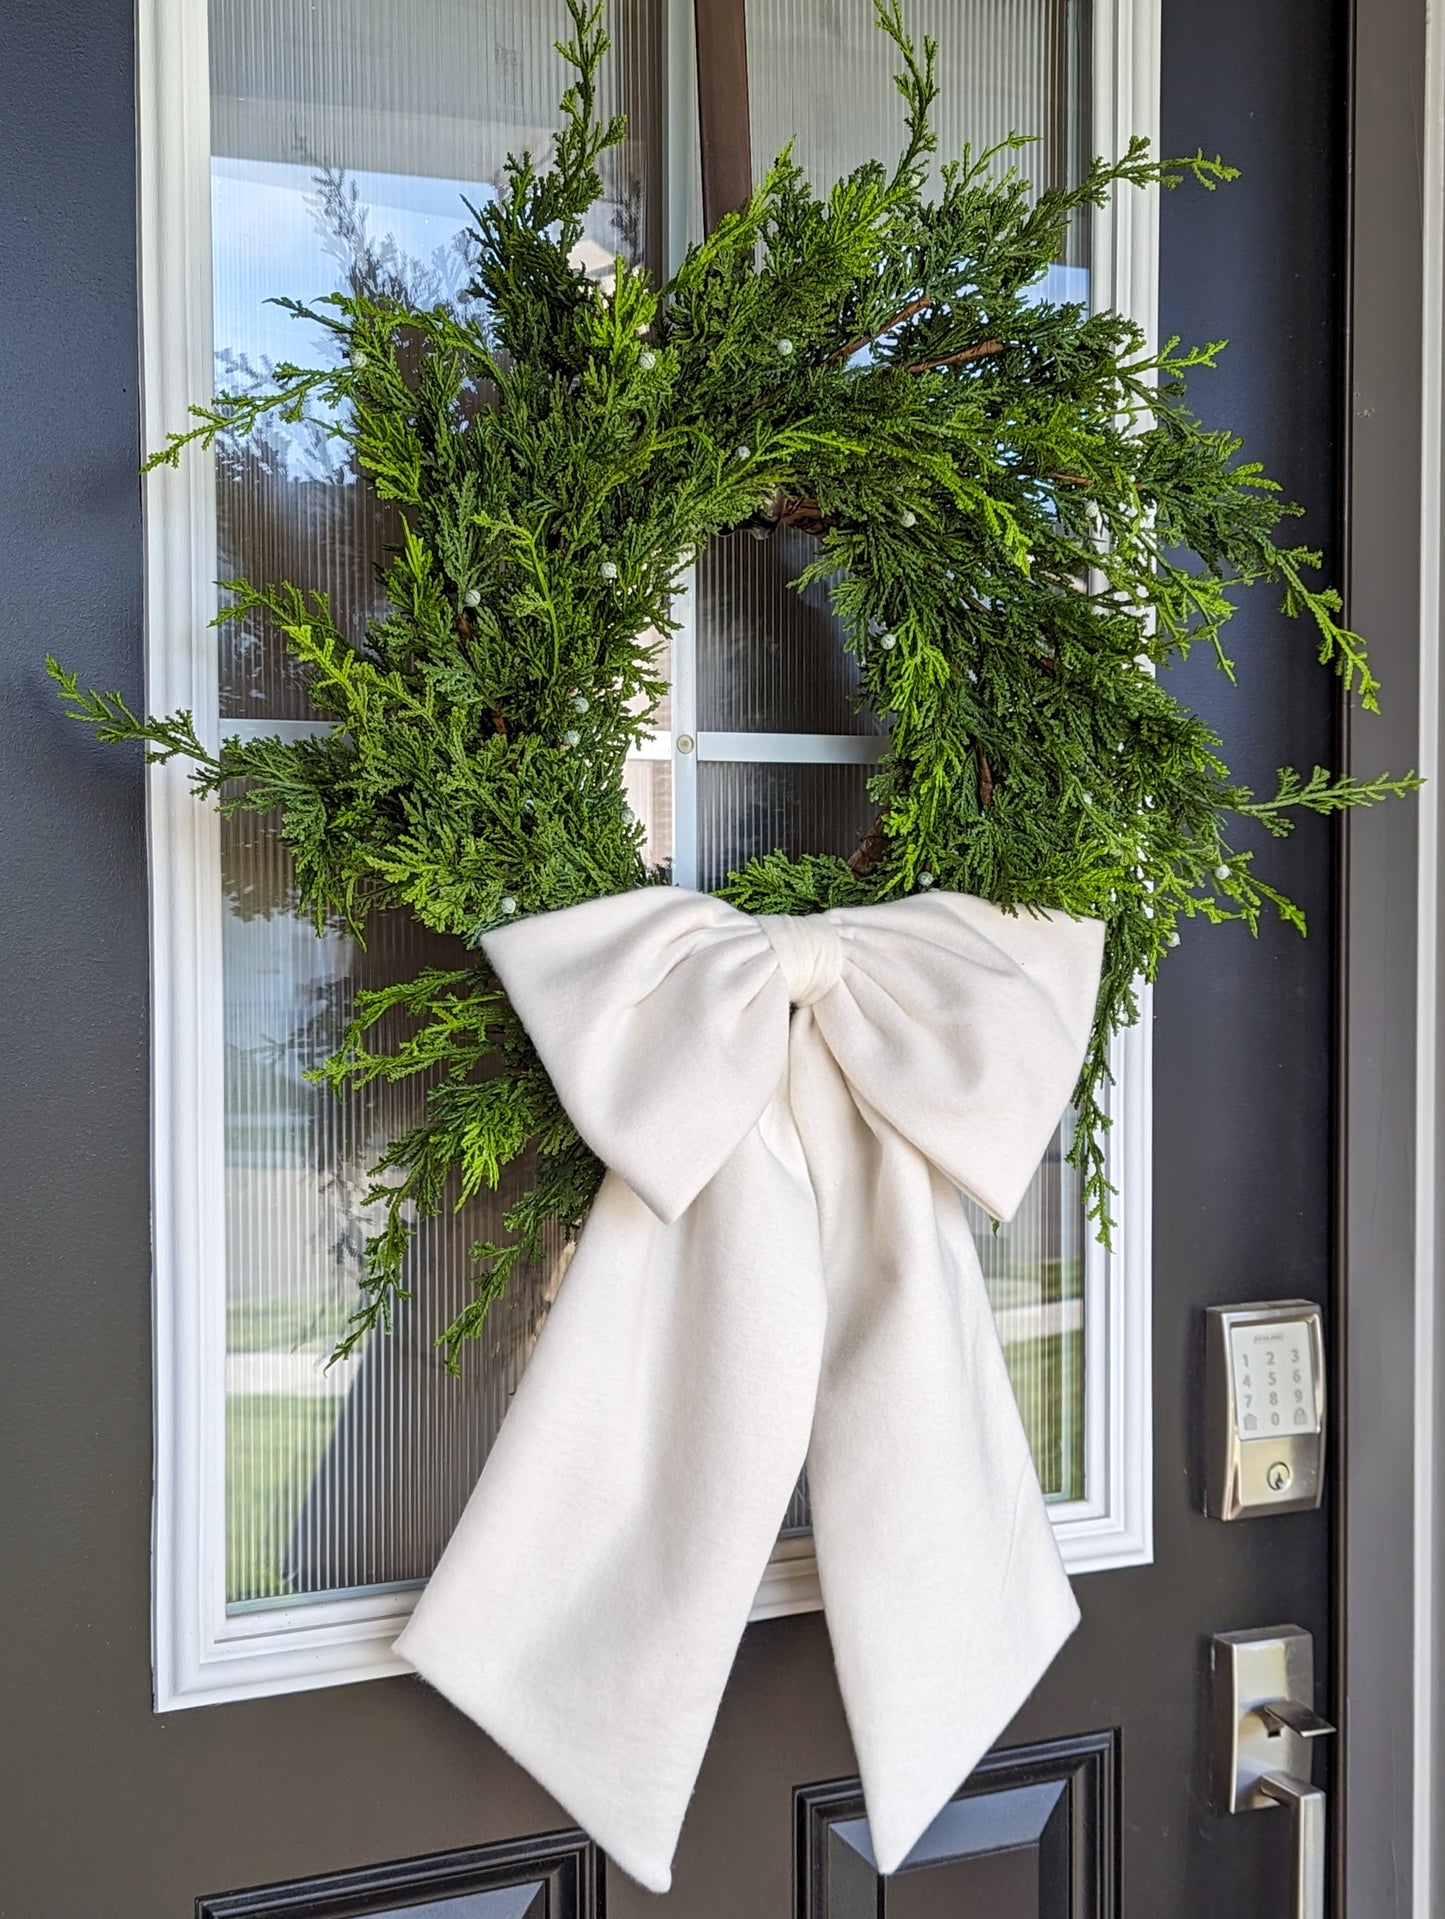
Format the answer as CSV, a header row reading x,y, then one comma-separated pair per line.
x,y
1126,102
793,749
1425,1480
1119,1436
188,1156
803,749
684,728
202,1654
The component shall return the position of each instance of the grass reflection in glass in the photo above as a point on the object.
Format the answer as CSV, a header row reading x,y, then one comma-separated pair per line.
x,y
274,1443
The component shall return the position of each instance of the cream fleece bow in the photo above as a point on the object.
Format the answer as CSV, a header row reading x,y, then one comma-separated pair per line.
x,y
777,1267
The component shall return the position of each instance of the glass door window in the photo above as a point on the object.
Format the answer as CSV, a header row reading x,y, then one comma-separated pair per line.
x,y
339,152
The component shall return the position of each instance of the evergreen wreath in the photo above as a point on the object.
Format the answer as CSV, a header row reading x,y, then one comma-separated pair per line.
x,y
1017,514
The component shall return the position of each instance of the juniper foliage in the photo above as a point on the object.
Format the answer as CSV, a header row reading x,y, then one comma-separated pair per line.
x,y
1018,514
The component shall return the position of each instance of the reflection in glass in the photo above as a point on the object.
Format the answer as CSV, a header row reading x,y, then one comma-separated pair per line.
x,y
1034,1271
770,659
352,1476
744,810
343,139
1004,66
341,149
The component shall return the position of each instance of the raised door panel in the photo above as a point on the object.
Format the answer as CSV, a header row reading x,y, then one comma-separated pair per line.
x,y
558,1876
1033,1834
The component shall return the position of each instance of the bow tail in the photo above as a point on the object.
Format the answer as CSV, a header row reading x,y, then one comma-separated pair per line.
x,y
944,1592
588,1609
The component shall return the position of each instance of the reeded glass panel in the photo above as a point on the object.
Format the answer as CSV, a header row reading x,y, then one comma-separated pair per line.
x,y
744,809
1034,1271
769,658
351,1476
1006,67
344,135
772,660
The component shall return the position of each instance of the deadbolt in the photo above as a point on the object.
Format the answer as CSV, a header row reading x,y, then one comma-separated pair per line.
x,y
1265,1406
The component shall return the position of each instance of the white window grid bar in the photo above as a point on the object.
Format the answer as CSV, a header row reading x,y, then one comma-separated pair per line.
x,y
772,749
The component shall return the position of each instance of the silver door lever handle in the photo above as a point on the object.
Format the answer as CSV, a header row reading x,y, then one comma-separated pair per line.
x,y
1288,1715
1265,1727
1306,1807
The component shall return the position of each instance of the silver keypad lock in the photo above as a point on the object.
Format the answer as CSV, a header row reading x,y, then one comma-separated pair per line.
x,y
1265,1427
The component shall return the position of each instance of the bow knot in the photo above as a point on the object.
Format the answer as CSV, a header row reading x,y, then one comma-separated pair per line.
x,y
776,1269
809,952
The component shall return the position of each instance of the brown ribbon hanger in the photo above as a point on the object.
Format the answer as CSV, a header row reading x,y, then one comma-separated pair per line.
x,y
724,130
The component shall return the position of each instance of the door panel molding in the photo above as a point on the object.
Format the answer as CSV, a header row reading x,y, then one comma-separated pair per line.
x,y
1033,1833
554,1876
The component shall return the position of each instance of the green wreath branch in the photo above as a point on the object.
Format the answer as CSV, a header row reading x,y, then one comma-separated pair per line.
x,y
1018,515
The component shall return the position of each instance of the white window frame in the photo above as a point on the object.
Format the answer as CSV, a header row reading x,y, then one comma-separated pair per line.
x,y
202,1654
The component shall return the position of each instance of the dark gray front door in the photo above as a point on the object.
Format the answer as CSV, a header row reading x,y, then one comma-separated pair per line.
x,y
314,1802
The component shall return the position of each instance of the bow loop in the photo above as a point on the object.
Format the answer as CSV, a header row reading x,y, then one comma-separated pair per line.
x,y
963,1026
662,1019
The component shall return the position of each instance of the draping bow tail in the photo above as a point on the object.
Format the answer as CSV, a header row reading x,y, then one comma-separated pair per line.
x,y
776,1268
